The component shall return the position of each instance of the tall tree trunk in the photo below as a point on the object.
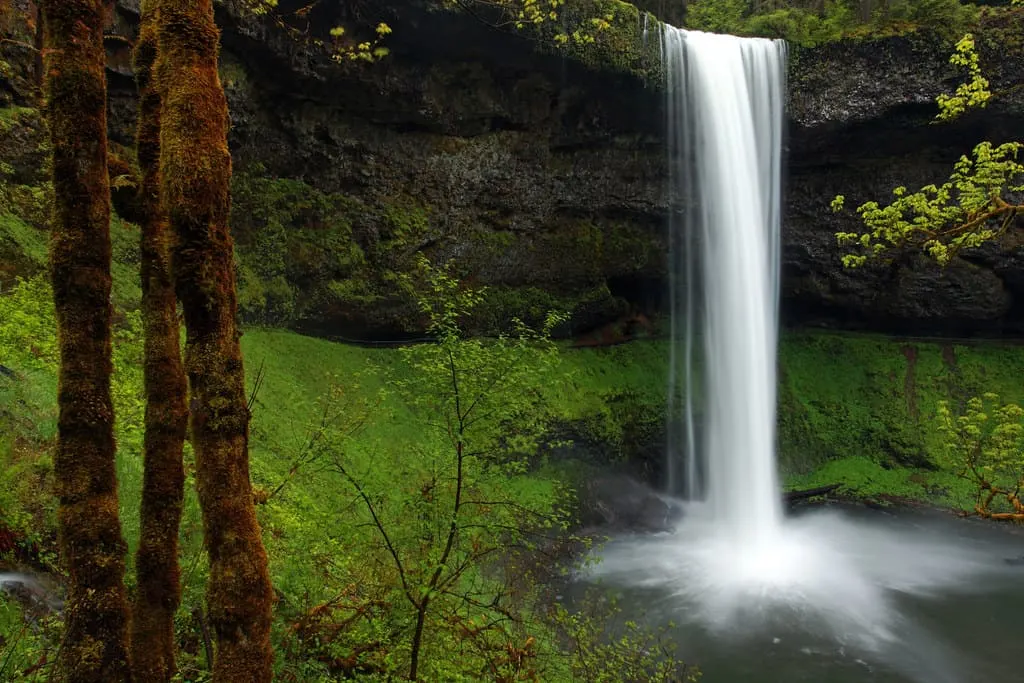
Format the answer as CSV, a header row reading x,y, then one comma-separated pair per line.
x,y
159,587
96,616
195,169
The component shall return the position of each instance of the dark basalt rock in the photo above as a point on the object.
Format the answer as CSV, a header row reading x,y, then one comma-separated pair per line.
x,y
621,503
566,165
862,124
540,173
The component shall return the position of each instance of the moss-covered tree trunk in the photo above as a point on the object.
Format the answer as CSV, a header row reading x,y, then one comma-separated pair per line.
x,y
158,592
195,169
96,613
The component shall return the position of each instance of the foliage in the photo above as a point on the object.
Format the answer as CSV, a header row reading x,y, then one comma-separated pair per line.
x,y
581,26
28,339
815,23
347,608
28,347
978,203
28,643
974,93
367,44
721,16
365,50
338,42
862,410
985,445
973,207
493,379
30,203
795,24
804,28
845,397
464,513
28,417
607,649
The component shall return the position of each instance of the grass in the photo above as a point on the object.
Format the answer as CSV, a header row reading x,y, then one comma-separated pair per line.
x,y
19,238
864,478
299,370
124,242
845,396
854,409
861,410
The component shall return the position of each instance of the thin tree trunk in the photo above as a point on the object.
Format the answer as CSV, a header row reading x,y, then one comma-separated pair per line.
x,y
195,169
96,615
159,586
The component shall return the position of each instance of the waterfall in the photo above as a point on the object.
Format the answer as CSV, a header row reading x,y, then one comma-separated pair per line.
x,y
725,119
733,565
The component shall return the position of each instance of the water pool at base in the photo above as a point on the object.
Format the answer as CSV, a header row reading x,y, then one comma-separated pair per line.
x,y
862,596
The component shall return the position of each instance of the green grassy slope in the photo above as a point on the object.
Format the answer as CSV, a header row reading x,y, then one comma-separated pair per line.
x,y
861,409
857,409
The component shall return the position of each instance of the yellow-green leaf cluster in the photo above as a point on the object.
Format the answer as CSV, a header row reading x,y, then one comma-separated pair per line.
x,y
974,206
339,43
977,204
343,49
590,18
262,7
974,93
985,445
536,11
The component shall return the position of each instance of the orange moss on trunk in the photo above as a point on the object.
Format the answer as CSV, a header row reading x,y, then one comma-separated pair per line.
x,y
158,574
195,169
96,614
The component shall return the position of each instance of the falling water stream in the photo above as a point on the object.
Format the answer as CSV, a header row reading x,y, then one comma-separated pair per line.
x,y
725,97
829,587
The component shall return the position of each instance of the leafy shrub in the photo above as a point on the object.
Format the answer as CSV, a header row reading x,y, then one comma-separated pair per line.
x,y
830,21
28,644
446,543
985,445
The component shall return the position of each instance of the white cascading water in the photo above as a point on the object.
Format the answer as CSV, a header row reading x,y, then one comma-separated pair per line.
x,y
735,563
725,102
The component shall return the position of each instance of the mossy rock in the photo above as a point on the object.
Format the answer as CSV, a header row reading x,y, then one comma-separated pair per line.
x,y
335,264
24,147
854,396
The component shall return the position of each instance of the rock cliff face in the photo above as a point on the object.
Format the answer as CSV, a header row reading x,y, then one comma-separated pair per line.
x,y
861,125
542,176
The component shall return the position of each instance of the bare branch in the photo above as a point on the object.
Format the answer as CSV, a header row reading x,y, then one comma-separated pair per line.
x,y
382,530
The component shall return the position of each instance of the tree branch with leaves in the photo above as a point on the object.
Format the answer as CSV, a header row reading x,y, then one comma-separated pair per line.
x,y
985,446
979,202
475,392
349,42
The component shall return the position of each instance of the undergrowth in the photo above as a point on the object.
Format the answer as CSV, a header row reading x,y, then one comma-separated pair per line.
x,y
856,410
826,22
325,561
